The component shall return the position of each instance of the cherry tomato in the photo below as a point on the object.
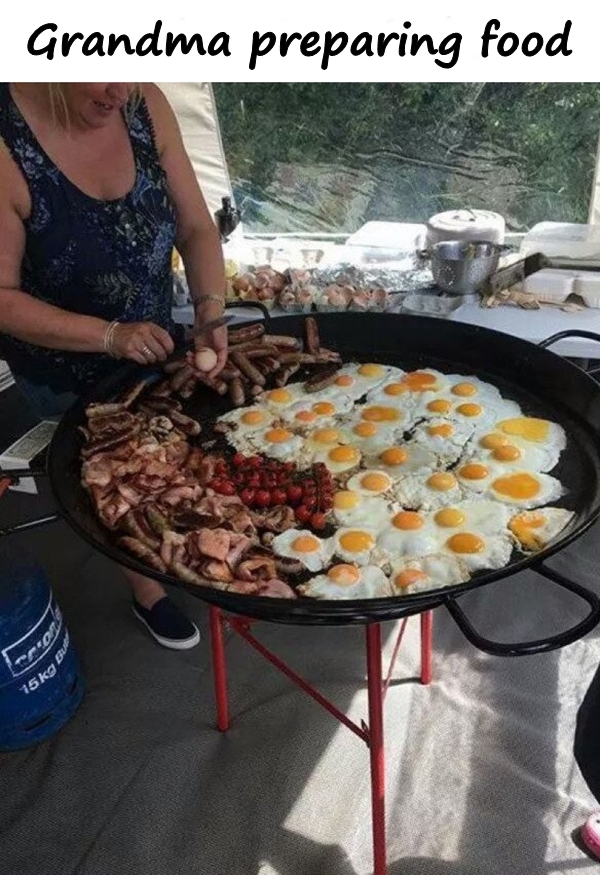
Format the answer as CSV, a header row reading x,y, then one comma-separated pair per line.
x,y
247,496
309,485
238,460
255,462
215,483
318,521
309,501
254,482
263,498
303,514
227,488
294,494
278,496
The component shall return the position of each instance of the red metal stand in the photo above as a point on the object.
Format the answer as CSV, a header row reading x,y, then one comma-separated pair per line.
x,y
372,734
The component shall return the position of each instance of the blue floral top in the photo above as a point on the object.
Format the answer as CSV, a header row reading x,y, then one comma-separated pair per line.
x,y
110,259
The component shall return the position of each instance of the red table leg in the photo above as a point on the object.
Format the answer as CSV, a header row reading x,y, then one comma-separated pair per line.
x,y
219,668
426,647
376,748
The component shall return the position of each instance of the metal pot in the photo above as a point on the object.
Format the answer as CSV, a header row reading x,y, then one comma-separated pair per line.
x,y
462,267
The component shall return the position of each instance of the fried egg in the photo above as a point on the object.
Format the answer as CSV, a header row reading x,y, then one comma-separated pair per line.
x,y
400,460
476,414
339,458
279,399
443,437
479,551
348,582
352,508
371,482
408,533
534,529
310,413
424,381
356,545
324,438
512,452
278,443
247,419
428,572
357,379
470,388
487,517
371,437
536,431
527,489
314,553
427,491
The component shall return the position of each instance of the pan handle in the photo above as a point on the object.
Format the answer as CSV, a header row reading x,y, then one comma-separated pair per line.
x,y
255,305
543,645
30,524
563,335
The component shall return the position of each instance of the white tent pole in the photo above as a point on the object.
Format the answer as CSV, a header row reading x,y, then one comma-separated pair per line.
x,y
594,208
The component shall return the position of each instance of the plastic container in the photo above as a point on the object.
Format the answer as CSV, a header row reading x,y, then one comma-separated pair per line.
x,y
562,240
40,681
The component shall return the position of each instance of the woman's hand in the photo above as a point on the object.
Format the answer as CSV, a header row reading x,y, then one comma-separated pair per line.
x,y
141,342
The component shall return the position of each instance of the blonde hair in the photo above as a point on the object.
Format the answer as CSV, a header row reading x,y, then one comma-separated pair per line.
x,y
60,107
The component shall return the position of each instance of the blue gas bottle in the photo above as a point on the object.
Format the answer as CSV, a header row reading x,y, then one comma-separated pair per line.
x,y
40,681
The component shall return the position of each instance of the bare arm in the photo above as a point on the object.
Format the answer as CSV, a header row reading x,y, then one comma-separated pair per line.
x,y
198,238
27,318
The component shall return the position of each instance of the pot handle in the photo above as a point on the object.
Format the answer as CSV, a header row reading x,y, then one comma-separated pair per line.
x,y
572,332
255,305
543,645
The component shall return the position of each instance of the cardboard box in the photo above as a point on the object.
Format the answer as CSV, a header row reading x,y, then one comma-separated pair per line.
x,y
24,452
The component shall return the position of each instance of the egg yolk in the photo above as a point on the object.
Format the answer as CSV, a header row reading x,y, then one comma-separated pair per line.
x,y
493,441
444,429
326,436
507,453
450,517
442,481
344,575
419,381
324,408
346,500
279,396
380,414
474,472
408,521
375,482
524,528
252,417
344,454
306,416
465,542
518,486
365,429
469,410
439,405
305,544
527,427
395,389
464,390
356,542
408,577
371,370
344,380
278,436
394,456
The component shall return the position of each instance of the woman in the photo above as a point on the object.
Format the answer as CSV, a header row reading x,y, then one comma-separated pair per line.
x,y
95,191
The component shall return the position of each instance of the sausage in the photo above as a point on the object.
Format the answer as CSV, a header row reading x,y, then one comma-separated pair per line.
x,y
236,392
133,528
272,364
109,443
156,519
322,379
185,423
143,552
257,352
181,377
247,368
99,409
229,372
284,341
218,385
188,388
108,425
312,335
160,390
162,405
186,574
173,367
129,397
241,335
285,374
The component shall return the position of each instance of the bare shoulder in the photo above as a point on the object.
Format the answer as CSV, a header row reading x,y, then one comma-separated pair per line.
x,y
14,191
163,118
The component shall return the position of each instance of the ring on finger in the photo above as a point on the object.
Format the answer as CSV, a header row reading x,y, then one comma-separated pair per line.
x,y
147,352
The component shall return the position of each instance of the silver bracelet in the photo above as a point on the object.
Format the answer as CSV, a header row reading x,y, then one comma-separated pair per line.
x,y
202,299
109,338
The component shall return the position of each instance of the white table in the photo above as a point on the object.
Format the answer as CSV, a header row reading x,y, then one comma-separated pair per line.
x,y
532,325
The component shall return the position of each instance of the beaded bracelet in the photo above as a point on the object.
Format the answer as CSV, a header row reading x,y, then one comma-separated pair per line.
x,y
109,338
